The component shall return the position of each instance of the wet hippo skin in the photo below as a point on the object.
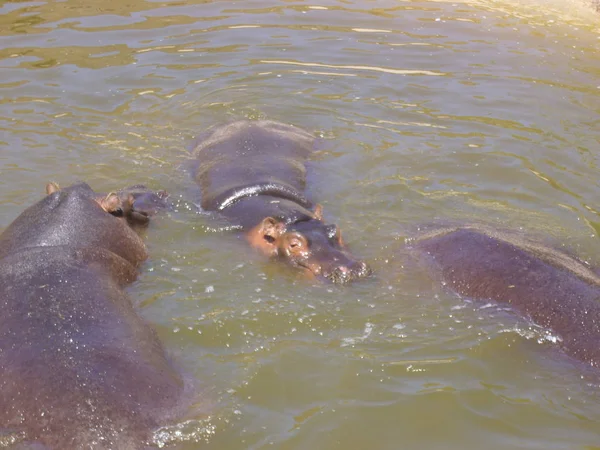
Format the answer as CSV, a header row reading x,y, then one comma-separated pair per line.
x,y
554,290
78,367
254,174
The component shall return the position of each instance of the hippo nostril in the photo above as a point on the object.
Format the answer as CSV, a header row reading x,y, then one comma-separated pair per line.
x,y
342,270
346,273
364,268
340,274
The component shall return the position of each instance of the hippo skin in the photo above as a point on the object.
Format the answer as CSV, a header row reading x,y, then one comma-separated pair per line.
x,y
553,289
253,173
78,367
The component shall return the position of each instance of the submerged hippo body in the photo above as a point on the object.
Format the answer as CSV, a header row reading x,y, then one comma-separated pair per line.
x,y
78,367
552,289
254,174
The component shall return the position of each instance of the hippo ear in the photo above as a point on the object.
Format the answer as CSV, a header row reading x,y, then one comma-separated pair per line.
x,y
111,203
271,229
318,212
52,187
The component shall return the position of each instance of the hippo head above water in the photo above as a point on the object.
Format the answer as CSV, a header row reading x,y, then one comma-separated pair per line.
x,y
136,204
79,217
310,245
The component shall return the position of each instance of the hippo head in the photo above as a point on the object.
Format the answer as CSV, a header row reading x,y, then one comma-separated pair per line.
x,y
310,245
136,204
77,216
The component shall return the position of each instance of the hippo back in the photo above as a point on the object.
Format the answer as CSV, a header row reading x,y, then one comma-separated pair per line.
x,y
247,154
77,364
554,290
68,218
78,367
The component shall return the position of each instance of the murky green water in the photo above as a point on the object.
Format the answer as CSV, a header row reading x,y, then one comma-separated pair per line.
x,y
431,112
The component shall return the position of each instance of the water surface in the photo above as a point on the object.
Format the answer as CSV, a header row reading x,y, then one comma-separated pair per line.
x,y
429,113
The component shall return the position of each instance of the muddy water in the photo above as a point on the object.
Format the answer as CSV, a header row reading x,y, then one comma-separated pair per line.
x,y
429,113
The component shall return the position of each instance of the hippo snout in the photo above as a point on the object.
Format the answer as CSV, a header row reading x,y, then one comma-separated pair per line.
x,y
345,273
319,249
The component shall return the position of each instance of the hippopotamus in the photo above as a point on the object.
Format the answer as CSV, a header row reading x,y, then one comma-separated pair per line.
x,y
78,367
553,289
254,174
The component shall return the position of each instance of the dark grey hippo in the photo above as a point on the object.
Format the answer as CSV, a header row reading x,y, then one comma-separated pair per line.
x,y
78,367
553,289
254,174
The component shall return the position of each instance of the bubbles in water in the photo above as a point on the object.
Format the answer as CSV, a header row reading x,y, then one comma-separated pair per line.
x,y
352,341
188,431
536,332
